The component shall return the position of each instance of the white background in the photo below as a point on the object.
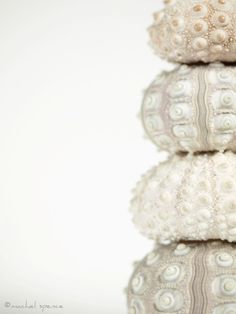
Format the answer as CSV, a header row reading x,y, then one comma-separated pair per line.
x,y
71,149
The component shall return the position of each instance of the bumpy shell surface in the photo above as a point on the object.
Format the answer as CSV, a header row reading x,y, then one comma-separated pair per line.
x,y
189,31
192,109
188,198
185,279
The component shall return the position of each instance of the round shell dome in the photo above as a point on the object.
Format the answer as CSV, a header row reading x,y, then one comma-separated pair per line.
x,y
192,109
189,31
185,278
188,198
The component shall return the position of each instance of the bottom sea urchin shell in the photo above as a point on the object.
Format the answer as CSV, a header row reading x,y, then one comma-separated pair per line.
x,y
184,278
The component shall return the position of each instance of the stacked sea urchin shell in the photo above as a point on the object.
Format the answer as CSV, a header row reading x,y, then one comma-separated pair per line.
x,y
187,204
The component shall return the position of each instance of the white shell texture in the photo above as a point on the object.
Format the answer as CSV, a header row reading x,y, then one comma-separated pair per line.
x,y
199,283
189,31
192,109
188,197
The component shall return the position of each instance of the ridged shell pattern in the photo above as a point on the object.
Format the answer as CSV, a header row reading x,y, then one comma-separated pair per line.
x,y
189,31
184,278
192,109
188,197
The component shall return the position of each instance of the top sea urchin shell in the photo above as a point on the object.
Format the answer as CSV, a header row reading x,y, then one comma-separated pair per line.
x,y
188,31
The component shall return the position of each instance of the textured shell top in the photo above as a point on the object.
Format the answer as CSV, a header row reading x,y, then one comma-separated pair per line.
x,y
185,278
192,109
189,31
188,198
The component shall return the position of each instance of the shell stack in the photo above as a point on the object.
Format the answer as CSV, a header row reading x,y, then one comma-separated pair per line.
x,y
187,204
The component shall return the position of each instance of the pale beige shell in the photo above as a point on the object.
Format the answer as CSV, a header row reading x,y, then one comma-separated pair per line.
x,y
189,31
